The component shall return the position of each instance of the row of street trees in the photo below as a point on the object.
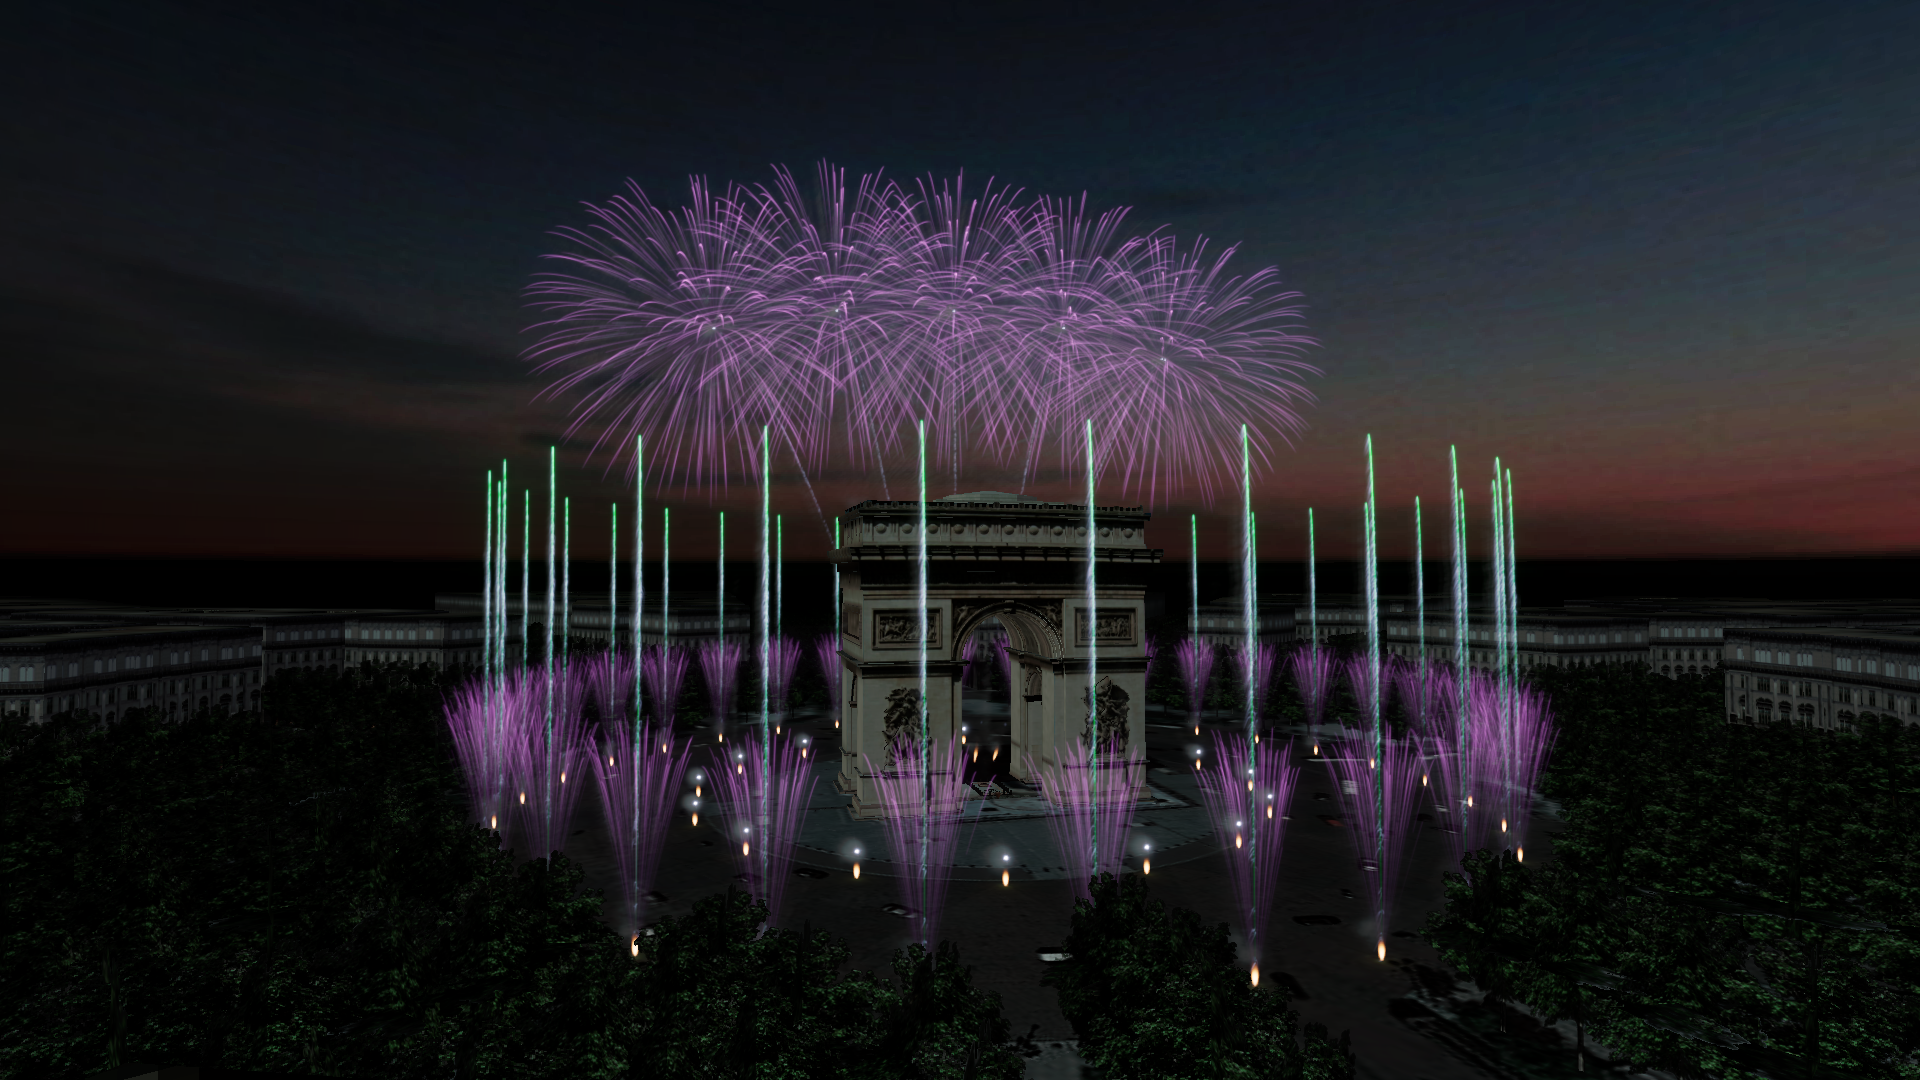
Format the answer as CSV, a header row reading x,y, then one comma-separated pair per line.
x,y
1722,900
297,891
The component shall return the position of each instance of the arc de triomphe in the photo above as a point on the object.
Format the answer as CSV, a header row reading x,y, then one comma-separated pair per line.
x,y
990,555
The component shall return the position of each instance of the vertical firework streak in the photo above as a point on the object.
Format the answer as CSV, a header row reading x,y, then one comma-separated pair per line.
x,y
1086,812
720,622
1236,803
1462,669
1374,704
639,774
569,697
1093,663
1314,694
926,706
1419,606
766,666
526,575
924,800
546,661
1249,614
768,787
487,598
1193,571
666,576
613,597
1503,686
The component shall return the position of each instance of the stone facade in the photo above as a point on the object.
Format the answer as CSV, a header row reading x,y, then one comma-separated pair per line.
x,y
999,558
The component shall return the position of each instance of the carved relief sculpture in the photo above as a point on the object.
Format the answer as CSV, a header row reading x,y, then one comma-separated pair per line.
x,y
901,721
1111,704
895,629
1116,627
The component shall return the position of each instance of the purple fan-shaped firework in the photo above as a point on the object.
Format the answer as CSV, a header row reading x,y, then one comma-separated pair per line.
x,y
838,315
763,795
826,649
783,656
924,810
1195,658
1359,673
1092,811
1260,671
665,670
1251,821
720,666
1313,677
639,785
1382,843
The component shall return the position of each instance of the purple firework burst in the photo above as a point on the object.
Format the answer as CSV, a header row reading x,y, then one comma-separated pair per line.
x,y
835,315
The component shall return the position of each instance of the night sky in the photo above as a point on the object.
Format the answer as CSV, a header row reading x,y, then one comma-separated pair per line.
x,y
261,266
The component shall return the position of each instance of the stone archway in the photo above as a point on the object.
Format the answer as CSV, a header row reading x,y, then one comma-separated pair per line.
x,y
989,556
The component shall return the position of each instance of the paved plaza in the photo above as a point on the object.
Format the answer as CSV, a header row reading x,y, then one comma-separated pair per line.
x,y
1409,1018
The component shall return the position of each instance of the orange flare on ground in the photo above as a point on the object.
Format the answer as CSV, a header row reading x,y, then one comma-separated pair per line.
x,y
1380,948
696,817
1146,866
856,871
1236,840
995,756
635,945
743,847
1519,854
1256,974
1006,877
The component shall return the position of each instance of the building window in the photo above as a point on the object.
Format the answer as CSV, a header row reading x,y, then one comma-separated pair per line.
x,y
1806,659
